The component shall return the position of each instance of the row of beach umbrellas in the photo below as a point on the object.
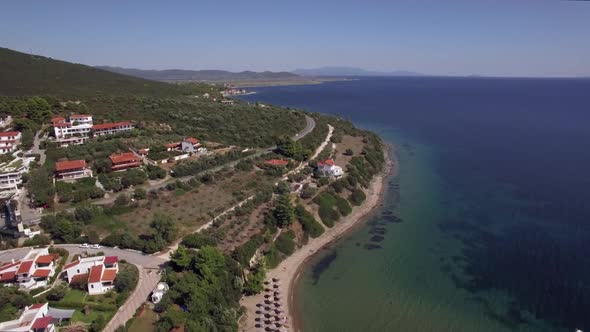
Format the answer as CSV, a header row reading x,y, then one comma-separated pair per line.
x,y
271,316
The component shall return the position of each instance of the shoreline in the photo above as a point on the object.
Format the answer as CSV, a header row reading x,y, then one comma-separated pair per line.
x,y
290,269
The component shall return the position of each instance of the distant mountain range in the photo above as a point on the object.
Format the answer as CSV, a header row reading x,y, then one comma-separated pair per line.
x,y
198,75
351,71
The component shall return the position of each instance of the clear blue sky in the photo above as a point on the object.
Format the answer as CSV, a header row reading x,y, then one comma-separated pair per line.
x,y
501,38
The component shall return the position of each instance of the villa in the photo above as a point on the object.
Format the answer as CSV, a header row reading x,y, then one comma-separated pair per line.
x,y
111,128
71,170
35,318
101,272
328,168
72,132
11,175
9,141
33,271
123,161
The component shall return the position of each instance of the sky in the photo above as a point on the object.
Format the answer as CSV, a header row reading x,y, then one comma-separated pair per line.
x,y
477,37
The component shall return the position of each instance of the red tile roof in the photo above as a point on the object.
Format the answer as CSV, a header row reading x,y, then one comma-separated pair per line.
x,y
72,264
24,267
172,145
113,125
41,273
46,259
328,162
57,119
7,276
42,323
80,277
9,133
37,306
109,275
192,140
111,259
95,274
74,116
276,162
9,265
62,124
123,158
69,165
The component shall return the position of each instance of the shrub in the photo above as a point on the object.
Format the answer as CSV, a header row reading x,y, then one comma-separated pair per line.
x,y
285,243
328,215
357,197
308,223
343,206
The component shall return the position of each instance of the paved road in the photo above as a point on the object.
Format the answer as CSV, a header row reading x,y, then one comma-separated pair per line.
x,y
35,149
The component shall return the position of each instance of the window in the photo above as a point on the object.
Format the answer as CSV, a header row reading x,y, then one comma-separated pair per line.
x,y
91,286
78,271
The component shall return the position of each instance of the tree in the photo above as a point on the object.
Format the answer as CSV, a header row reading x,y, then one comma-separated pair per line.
x,y
163,225
181,258
284,211
139,193
348,152
57,293
121,201
97,324
125,281
283,188
255,282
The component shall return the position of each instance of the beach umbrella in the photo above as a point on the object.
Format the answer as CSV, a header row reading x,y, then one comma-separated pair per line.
x,y
259,305
267,295
275,286
267,282
275,279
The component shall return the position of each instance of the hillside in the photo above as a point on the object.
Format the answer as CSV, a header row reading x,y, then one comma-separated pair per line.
x,y
179,75
23,74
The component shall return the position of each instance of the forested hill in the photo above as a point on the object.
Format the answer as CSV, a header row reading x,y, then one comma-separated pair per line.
x,y
180,75
24,74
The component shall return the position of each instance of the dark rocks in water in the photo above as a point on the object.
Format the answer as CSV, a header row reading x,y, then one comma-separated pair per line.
x,y
387,213
373,222
446,268
370,246
378,230
393,219
358,244
376,238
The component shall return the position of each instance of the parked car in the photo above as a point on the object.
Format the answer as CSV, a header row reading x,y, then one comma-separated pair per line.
x,y
84,245
95,246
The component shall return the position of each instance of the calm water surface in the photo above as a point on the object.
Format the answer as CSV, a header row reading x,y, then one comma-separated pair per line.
x,y
486,227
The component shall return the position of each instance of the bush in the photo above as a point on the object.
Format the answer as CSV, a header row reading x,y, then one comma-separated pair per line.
x,y
328,215
244,253
37,240
357,197
139,193
308,223
308,192
272,257
285,243
343,206
198,240
57,293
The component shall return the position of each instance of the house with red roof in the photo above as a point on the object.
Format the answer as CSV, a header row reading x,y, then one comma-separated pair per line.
x,y
100,271
9,140
32,271
329,168
111,128
35,318
123,161
69,170
73,131
191,145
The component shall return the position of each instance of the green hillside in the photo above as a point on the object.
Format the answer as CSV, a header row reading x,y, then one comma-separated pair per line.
x,y
23,74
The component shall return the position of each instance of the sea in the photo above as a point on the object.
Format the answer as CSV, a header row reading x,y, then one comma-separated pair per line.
x,y
486,227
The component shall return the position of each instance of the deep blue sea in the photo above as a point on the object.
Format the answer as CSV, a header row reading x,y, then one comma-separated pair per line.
x,y
494,193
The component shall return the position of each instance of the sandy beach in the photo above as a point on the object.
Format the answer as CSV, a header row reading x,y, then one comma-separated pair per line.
x,y
289,269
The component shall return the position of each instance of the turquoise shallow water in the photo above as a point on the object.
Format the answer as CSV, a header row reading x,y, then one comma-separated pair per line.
x,y
492,196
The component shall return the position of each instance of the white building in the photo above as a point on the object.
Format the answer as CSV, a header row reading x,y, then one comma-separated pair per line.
x,y
33,271
11,175
9,140
101,272
191,145
35,318
328,168
72,132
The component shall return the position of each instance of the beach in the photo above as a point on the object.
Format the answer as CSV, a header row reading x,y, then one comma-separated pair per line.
x,y
289,269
